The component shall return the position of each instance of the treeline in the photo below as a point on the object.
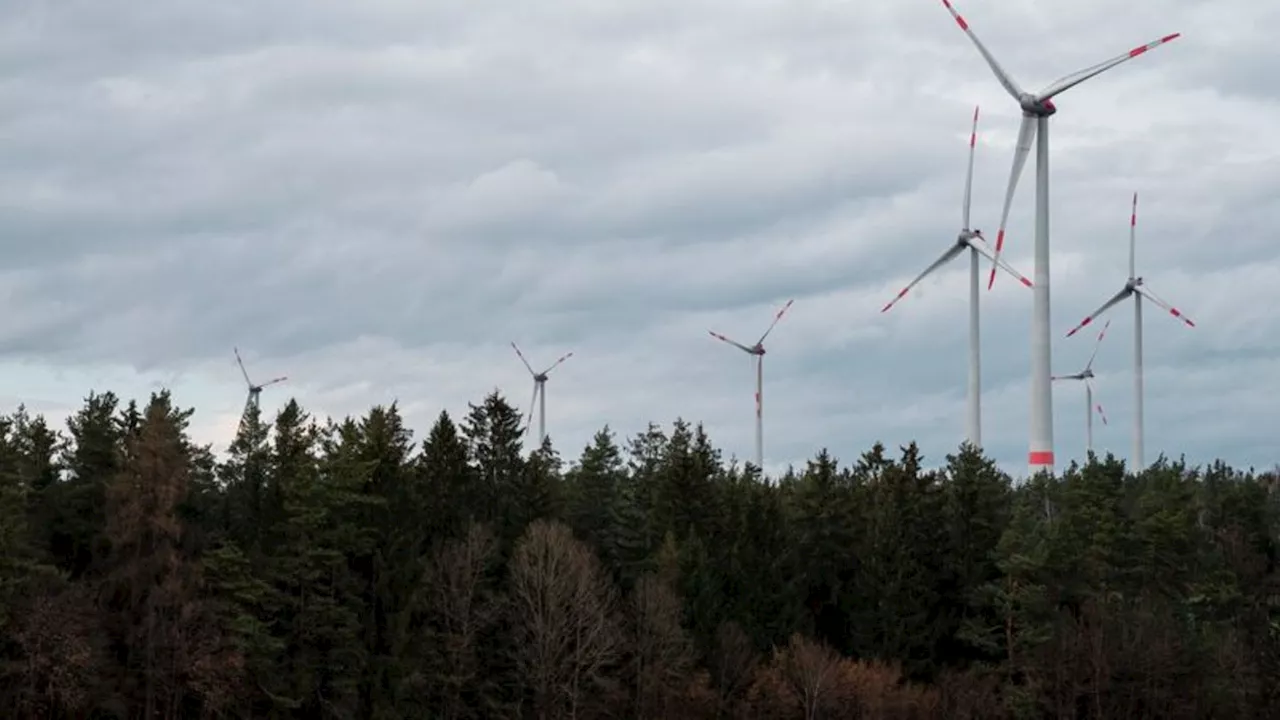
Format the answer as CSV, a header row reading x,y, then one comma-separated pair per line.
x,y
341,570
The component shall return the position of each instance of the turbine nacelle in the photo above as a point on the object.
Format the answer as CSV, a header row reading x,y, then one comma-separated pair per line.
x,y
1035,107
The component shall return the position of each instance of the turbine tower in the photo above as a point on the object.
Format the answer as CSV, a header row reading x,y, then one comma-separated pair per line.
x,y
975,243
1036,110
539,393
1136,288
255,391
1087,376
758,351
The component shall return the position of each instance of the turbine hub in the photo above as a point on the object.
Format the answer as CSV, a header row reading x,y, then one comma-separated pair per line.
x,y
757,350
1133,284
1087,373
1037,108
540,377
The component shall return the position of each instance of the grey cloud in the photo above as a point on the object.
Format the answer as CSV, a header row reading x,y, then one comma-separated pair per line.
x,y
375,198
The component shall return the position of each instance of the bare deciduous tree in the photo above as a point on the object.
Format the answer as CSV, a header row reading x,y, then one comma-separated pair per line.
x,y
810,668
733,664
563,615
663,654
459,610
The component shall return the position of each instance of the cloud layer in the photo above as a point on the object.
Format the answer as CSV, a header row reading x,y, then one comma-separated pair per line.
x,y
375,198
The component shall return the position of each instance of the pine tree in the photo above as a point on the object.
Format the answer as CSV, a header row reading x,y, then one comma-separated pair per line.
x,y
173,658
492,433
978,506
245,477
448,484
592,488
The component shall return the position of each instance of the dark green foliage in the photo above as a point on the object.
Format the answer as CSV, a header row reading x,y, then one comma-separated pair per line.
x,y
338,570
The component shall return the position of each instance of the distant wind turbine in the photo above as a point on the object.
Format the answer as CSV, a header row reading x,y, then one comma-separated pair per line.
x,y
539,393
758,351
1087,376
255,391
1036,110
1136,288
975,243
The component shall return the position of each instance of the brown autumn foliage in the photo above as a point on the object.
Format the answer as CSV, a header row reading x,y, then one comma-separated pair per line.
x,y
971,695
807,680
150,596
58,638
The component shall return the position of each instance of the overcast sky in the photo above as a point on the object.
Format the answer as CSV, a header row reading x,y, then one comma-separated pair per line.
x,y
376,197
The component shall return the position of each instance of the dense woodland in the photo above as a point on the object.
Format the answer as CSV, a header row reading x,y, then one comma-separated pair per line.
x,y
346,570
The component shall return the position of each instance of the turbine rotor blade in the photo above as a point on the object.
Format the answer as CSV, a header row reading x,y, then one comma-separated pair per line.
x,y
1133,242
273,381
1145,292
1126,292
734,343
1066,83
1026,135
557,363
1097,345
533,401
968,178
243,372
776,318
522,359
984,250
1093,390
947,256
1005,79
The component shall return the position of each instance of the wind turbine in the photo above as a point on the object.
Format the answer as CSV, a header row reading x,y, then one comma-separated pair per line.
x,y
255,391
758,351
1087,375
1036,110
1136,288
975,243
539,393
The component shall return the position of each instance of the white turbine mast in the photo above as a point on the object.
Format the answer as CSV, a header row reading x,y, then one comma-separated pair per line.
x,y
758,351
976,244
255,391
1036,110
1087,377
1136,288
539,393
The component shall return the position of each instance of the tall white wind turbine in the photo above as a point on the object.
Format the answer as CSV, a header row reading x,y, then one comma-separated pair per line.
x,y
1136,288
975,243
1087,376
1036,110
539,393
255,391
758,351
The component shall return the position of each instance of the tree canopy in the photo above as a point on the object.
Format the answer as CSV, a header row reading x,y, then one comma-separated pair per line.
x,y
341,569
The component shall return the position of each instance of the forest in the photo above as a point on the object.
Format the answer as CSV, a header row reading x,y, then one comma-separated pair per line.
x,y
346,569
